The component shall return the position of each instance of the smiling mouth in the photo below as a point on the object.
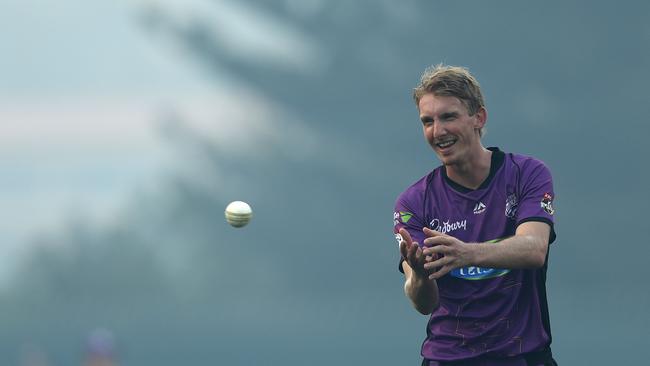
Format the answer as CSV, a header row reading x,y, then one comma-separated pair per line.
x,y
445,144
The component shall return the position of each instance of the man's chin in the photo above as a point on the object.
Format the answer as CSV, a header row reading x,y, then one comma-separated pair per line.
x,y
446,160
449,163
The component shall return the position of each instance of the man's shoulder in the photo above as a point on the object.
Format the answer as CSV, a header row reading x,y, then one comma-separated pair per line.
x,y
416,190
525,162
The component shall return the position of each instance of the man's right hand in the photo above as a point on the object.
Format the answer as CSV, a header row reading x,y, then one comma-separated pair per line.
x,y
422,291
412,254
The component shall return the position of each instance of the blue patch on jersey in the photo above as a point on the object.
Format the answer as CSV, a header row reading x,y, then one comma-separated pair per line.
x,y
478,273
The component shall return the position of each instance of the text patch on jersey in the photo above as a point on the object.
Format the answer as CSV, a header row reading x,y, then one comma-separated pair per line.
x,y
478,273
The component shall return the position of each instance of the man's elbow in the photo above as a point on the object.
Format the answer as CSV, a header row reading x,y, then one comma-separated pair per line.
x,y
425,305
425,309
538,262
538,258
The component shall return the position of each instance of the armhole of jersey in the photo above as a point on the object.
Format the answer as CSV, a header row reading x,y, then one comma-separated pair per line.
x,y
551,235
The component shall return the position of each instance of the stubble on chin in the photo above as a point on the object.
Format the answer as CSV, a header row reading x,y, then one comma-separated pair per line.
x,y
448,162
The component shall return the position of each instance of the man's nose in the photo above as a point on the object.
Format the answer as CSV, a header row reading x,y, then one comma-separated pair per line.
x,y
438,129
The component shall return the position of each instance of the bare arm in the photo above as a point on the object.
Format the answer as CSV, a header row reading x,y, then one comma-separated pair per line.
x,y
418,287
526,249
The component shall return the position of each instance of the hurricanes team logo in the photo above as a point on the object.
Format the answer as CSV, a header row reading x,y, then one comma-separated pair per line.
x,y
511,206
547,203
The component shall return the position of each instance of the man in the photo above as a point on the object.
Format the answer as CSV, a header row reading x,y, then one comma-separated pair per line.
x,y
474,236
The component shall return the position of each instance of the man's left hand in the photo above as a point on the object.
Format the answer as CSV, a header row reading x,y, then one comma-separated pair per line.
x,y
444,253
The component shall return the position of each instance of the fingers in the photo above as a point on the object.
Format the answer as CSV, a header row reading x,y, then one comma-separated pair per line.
x,y
438,240
438,263
406,242
413,253
432,233
441,272
405,235
403,249
408,248
437,250
438,268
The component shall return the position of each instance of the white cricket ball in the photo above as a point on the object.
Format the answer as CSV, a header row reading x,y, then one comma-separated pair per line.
x,y
238,213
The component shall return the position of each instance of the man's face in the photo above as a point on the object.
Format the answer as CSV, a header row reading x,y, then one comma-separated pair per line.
x,y
450,130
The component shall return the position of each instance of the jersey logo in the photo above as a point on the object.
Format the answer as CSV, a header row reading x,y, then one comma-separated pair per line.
x,y
405,216
512,203
401,216
479,208
547,203
478,273
448,226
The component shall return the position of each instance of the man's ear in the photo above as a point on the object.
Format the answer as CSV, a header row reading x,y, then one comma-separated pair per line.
x,y
481,118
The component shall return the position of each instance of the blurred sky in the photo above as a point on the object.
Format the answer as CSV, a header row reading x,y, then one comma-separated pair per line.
x,y
83,86
73,78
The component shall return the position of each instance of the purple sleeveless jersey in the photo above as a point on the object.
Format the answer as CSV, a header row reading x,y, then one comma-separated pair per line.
x,y
489,312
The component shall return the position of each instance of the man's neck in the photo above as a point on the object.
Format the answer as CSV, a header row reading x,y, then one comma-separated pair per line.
x,y
473,172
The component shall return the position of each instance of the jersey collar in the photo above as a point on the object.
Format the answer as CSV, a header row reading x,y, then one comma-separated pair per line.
x,y
496,162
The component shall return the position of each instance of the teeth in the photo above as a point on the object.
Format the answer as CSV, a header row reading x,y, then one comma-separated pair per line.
x,y
446,143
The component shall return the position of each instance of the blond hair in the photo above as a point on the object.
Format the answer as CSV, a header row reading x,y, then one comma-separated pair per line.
x,y
451,81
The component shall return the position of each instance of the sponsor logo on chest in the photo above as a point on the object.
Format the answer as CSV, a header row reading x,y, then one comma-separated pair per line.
x,y
448,226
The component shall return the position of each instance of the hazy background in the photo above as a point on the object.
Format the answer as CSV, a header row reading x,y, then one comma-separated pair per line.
x,y
127,126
